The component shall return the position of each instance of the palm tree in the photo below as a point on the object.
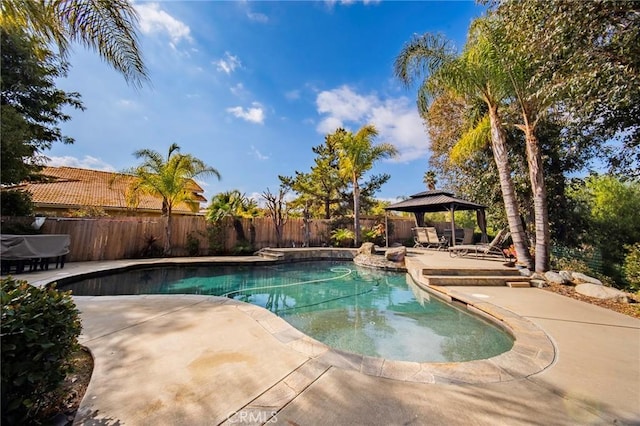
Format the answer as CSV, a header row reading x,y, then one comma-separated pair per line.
x,y
475,77
109,27
235,205
169,179
356,155
429,179
533,105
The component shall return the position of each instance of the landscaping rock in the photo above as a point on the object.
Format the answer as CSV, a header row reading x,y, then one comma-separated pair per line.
x,y
367,248
537,276
554,277
567,276
378,262
539,283
602,292
580,278
396,254
525,272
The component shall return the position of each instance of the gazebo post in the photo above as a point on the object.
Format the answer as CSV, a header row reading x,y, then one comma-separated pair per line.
x,y
453,225
386,229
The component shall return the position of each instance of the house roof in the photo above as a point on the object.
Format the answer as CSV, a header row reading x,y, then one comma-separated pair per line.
x,y
433,201
70,187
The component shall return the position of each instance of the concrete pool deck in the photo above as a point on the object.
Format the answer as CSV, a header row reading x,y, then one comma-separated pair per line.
x,y
207,360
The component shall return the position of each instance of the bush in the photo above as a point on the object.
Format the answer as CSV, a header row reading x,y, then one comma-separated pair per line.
x,y
342,237
16,203
631,267
193,244
40,327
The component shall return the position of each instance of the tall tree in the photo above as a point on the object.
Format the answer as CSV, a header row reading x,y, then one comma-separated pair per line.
x,y
357,155
587,58
430,180
323,184
31,106
107,26
169,178
475,77
278,211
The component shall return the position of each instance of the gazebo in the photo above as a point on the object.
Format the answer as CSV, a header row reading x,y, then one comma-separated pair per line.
x,y
440,201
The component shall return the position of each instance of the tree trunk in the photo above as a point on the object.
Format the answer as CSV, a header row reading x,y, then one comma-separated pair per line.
x,y
499,146
167,241
541,211
356,213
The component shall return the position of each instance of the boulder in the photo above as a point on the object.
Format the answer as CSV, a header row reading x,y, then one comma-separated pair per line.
x,y
525,272
396,254
554,277
367,248
580,278
537,276
539,283
567,276
602,292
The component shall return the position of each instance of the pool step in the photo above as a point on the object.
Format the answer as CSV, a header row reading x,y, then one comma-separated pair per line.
x,y
269,253
478,280
470,272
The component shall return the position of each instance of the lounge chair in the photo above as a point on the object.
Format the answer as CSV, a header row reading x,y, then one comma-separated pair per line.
x,y
434,240
494,248
420,237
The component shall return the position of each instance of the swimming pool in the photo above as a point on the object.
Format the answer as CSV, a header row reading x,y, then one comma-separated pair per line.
x,y
370,312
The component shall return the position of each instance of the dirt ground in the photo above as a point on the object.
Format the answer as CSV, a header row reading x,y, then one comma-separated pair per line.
x,y
632,309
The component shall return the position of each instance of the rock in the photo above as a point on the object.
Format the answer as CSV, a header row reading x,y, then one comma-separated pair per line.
x,y
602,292
580,278
525,272
539,283
554,277
537,276
396,254
567,276
367,248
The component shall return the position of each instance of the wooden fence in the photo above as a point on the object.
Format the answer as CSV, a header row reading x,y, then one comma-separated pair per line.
x,y
128,237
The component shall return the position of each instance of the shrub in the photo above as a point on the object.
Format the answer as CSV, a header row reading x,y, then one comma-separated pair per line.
x,y
631,267
16,203
193,244
40,327
342,237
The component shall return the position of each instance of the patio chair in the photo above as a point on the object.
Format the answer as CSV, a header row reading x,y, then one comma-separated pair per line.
x,y
494,248
420,237
434,240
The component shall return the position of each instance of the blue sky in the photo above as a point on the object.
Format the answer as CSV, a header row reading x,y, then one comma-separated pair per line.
x,y
251,87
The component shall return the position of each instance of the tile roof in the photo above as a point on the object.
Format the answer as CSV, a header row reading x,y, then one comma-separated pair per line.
x,y
69,187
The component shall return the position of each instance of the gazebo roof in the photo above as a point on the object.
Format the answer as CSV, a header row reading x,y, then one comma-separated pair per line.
x,y
433,201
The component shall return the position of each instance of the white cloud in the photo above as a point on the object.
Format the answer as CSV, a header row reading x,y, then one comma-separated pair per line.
x,y
331,3
155,20
258,17
238,90
229,63
292,95
254,114
260,156
88,162
127,104
396,119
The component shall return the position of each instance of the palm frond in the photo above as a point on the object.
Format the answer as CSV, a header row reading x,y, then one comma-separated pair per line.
x,y
471,141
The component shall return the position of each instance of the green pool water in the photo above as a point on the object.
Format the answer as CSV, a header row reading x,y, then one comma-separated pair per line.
x,y
370,312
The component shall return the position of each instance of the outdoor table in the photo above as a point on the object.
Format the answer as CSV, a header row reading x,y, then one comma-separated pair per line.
x,y
33,250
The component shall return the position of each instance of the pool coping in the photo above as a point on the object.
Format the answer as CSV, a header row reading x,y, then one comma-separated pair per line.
x,y
533,351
